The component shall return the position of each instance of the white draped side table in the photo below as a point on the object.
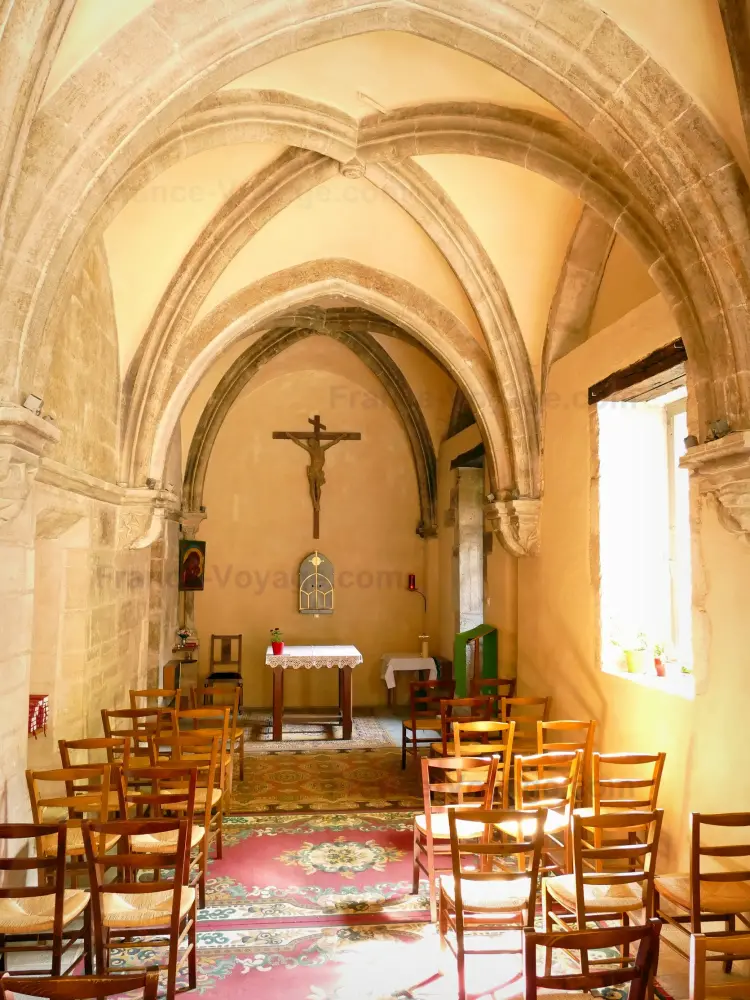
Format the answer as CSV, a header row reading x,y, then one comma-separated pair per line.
x,y
413,662
343,658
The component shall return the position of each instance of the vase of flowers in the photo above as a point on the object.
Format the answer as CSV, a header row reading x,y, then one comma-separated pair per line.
x,y
277,641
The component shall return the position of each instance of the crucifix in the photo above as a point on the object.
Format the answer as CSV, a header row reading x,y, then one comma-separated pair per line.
x,y
311,441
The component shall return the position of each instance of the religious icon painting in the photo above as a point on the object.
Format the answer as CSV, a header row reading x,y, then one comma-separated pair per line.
x,y
192,564
316,585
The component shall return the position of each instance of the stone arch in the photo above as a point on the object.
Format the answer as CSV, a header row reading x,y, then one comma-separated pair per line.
x,y
373,356
279,300
601,79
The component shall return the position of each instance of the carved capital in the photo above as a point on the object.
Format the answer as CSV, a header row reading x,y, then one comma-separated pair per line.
x,y
191,521
142,516
516,524
723,471
23,438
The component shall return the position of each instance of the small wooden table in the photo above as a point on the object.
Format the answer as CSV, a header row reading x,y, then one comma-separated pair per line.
x,y
343,658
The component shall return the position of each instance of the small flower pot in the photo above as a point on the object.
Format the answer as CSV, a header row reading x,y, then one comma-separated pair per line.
x,y
635,660
278,648
661,670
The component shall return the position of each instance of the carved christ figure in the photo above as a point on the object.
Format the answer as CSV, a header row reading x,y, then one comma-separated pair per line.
x,y
316,443
316,477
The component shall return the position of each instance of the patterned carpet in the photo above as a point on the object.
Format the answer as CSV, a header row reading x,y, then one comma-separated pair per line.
x,y
327,781
367,733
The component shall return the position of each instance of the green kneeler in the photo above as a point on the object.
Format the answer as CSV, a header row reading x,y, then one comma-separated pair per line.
x,y
489,655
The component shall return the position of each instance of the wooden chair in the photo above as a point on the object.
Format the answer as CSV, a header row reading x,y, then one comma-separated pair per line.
x,y
207,696
494,688
129,913
156,698
80,987
200,749
214,720
110,751
424,715
445,777
168,790
477,742
705,897
638,973
548,781
488,895
476,709
625,887
43,912
561,735
86,790
225,661
526,713
727,948
136,725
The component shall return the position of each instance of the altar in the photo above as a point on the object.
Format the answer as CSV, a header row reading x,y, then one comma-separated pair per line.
x,y
343,658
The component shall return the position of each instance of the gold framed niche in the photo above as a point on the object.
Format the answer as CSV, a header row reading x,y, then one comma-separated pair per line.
x,y
316,585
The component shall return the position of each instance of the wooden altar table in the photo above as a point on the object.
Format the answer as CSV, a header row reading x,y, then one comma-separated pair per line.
x,y
343,658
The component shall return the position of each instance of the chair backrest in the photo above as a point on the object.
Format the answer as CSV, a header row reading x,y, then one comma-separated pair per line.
x,y
525,853
85,790
155,698
119,873
200,750
80,987
425,698
547,780
613,789
638,971
736,870
225,651
112,749
494,688
457,781
219,696
721,947
526,713
554,735
161,790
135,724
50,868
497,738
626,859
474,709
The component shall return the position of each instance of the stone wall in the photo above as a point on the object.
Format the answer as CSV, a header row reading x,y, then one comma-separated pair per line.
x,y
83,385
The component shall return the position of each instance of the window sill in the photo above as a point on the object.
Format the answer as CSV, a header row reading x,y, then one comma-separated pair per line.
x,y
682,686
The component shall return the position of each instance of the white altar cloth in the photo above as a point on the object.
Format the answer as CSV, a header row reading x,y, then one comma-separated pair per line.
x,y
405,661
307,657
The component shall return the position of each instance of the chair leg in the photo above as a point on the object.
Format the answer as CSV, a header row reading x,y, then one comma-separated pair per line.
x,y
203,864
403,748
193,956
172,964
431,880
730,925
415,872
548,928
88,954
220,833
460,959
242,755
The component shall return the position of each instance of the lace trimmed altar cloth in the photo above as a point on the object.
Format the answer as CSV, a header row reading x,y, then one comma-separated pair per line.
x,y
309,657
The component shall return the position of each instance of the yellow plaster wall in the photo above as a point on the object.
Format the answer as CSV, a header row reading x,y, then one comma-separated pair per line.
x,y
558,593
259,524
625,284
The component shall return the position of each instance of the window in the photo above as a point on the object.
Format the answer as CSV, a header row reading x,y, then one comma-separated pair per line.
x,y
644,539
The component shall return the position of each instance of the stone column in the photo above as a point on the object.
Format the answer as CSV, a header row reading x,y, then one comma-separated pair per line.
x,y
23,438
469,548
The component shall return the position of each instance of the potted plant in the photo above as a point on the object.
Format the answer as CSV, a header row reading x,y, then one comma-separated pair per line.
x,y
636,657
277,641
659,665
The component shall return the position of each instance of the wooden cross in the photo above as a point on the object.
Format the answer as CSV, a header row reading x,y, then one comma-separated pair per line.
x,y
311,441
